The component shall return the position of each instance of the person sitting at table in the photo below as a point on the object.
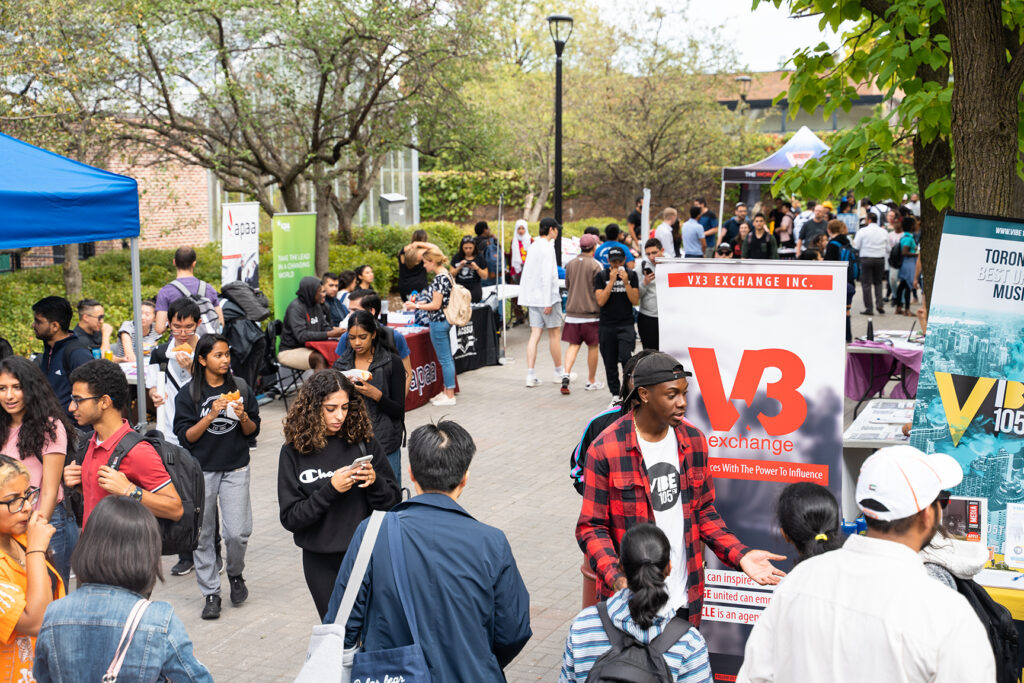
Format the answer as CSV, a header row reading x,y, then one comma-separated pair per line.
x,y
469,268
92,330
364,277
369,301
383,392
305,320
124,347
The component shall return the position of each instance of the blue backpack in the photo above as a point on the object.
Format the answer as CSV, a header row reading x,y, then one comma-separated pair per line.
x,y
849,254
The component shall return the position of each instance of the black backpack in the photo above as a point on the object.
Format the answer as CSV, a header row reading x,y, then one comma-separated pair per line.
x,y
896,256
629,660
999,626
187,476
253,302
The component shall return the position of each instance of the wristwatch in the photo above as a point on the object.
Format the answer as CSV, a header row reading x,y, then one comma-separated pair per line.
x,y
136,494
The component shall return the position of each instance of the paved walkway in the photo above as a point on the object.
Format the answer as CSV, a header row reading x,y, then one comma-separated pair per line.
x,y
519,483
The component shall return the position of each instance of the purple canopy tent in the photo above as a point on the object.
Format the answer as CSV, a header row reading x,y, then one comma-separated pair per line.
x,y
801,148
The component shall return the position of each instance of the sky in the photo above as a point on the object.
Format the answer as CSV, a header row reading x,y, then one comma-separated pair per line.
x,y
763,38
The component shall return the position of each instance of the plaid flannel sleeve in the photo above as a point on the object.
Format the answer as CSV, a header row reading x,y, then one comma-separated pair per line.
x,y
713,531
593,528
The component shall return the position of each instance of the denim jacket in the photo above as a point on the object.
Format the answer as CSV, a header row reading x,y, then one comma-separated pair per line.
x,y
80,634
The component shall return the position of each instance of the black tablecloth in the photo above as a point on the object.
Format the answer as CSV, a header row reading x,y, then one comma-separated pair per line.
x,y
476,343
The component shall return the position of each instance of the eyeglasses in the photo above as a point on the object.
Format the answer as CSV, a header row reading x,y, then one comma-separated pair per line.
x,y
101,316
184,328
82,399
17,504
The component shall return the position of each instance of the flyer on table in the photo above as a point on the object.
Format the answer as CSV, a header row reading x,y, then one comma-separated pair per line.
x,y
765,343
970,400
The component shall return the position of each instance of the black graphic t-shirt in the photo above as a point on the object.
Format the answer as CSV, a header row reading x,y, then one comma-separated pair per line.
x,y
618,310
223,446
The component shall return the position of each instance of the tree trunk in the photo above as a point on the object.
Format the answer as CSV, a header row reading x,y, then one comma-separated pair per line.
x,y
984,111
323,191
72,274
542,198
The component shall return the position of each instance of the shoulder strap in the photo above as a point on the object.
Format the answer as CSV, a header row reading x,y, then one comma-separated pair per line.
x,y
121,450
355,579
676,629
181,288
615,636
201,289
127,633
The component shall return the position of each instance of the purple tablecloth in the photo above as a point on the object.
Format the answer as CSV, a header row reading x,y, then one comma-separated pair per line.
x,y
861,367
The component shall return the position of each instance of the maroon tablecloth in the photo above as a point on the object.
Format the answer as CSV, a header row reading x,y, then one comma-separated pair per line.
x,y
426,371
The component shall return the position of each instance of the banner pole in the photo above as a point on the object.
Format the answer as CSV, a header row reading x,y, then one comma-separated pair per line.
x,y
140,375
501,284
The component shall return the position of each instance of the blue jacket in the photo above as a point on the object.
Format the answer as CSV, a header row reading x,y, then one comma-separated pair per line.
x,y
471,603
57,363
80,634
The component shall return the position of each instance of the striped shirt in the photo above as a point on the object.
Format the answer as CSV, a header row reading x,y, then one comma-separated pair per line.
x,y
587,641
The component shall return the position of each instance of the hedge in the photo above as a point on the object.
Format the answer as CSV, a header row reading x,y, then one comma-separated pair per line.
x,y
453,195
107,277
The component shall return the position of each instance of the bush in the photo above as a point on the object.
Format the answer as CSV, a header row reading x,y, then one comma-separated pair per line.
x,y
389,239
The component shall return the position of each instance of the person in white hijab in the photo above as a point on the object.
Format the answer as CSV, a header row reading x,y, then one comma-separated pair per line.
x,y
521,240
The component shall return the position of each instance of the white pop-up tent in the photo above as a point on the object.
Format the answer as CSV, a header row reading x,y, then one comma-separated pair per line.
x,y
47,199
800,149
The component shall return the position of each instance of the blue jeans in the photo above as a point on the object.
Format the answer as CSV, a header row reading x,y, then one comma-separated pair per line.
x,y
63,541
395,460
443,348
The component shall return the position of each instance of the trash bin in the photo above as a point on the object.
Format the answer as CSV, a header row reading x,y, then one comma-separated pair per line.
x,y
392,209
589,585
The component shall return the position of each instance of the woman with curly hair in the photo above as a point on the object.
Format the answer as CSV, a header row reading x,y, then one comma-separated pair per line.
x,y
34,429
324,493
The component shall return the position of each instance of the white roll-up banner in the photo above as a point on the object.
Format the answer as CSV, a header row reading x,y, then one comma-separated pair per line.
x,y
240,244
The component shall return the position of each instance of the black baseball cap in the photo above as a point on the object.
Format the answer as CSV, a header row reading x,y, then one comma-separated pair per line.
x,y
725,248
616,254
655,369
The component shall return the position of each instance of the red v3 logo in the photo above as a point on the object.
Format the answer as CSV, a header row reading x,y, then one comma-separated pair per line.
x,y
723,413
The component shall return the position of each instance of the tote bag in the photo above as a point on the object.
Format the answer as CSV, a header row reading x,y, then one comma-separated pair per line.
x,y
406,664
327,659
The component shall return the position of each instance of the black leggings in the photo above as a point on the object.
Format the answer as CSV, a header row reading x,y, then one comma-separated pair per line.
x,y
647,326
903,294
321,571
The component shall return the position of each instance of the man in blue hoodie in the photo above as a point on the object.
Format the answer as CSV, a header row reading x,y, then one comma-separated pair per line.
x,y
471,605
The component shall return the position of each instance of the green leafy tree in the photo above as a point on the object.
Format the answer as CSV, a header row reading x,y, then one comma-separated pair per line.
x,y
954,69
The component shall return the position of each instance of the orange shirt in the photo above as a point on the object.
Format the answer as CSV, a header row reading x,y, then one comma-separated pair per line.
x,y
17,652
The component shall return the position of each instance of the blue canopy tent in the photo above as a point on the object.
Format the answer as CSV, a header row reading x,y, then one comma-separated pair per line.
x,y
801,148
47,199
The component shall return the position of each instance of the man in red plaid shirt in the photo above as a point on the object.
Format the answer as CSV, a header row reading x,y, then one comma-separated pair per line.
x,y
651,466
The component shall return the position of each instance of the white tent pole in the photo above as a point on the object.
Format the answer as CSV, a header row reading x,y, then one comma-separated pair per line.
x,y
140,375
721,211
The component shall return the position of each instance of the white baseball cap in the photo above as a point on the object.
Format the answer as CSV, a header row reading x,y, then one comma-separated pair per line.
x,y
899,481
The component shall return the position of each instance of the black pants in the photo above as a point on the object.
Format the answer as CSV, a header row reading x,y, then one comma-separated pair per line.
x,y
903,294
616,344
321,570
872,272
647,326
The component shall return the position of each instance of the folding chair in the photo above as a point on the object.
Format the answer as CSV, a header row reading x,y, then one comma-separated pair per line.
x,y
286,382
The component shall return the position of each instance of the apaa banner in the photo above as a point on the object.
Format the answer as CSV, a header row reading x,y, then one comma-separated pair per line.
x,y
294,248
970,400
765,343
240,244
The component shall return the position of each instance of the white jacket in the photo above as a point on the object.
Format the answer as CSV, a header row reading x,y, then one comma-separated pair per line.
x,y
538,285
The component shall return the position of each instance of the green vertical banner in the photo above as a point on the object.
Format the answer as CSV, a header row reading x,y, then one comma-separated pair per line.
x,y
294,249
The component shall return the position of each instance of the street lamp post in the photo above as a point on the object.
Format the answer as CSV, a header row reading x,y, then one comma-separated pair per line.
x,y
560,27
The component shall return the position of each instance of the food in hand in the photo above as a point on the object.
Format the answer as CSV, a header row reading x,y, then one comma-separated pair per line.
x,y
358,375
183,348
232,396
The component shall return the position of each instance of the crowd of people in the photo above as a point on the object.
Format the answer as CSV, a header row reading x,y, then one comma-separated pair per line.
x,y
87,500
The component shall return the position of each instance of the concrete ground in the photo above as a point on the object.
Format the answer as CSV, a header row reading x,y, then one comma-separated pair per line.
x,y
519,483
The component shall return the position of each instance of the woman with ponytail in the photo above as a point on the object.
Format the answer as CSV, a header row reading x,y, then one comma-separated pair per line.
x,y
809,518
641,610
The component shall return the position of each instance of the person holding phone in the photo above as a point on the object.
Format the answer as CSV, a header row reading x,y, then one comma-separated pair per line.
x,y
332,474
647,316
469,268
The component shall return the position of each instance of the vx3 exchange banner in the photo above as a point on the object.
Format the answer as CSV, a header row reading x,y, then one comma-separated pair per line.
x,y
765,341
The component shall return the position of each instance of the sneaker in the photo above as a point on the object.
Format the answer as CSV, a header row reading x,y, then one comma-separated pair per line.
x,y
614,403
444,401
211,610
881,311
183,567
238,590
533,381
593,386
565,385
558,377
